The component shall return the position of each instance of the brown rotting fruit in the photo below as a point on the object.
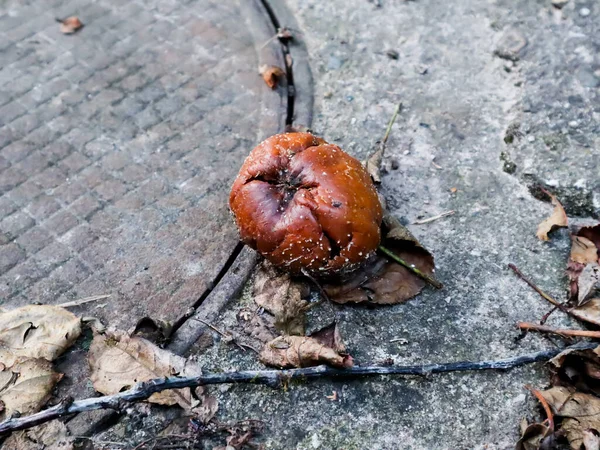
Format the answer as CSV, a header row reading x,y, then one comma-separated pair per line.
x,y
306,205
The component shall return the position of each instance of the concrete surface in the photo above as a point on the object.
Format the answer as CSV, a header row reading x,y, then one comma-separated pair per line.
x,y
466,73
459,101
118,145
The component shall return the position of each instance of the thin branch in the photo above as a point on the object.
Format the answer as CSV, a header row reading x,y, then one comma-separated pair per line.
x,y
431,219
142,391
546,406
81,301
561,332
435,283
538,290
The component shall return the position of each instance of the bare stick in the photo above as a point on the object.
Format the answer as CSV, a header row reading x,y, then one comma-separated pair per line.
x,y
435,283
559,331
538,290
81,301
431,219
142,391
546,406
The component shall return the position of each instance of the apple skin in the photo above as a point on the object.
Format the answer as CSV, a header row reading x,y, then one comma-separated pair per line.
x,y
306,205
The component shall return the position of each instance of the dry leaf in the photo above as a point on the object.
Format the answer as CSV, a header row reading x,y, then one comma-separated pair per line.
x,y
583,269
118,362
330,336
48,436
580,412
533,436
257,326
383,281
271,75
26,385
70,25
591,441
558,219
38,331
154,330
578,368
373,164
280,295
286,352
588,312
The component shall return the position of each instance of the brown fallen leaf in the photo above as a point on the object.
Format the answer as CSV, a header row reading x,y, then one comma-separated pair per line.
x,y
330,336
259,327
591,440
48,436
580,412
280,295
38,331
588,312
271,75
287,352
118,361
577,368
70,25
154,330
382,281
26,385
533,437
558,219
583,267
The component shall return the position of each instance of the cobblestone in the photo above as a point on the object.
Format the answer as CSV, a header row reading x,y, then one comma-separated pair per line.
x,y
107,142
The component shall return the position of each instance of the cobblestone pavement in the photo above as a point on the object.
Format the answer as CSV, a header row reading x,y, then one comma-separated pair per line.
x,y
117,147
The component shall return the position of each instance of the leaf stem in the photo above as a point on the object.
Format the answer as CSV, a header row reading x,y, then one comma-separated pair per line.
x,y
391,122
435,283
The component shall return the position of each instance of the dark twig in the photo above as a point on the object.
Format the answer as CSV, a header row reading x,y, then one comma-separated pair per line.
x,y
142,391
317,284
547,315
435,283
559,331
547,297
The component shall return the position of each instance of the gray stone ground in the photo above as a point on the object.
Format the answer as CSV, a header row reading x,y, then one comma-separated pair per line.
x,y
460,99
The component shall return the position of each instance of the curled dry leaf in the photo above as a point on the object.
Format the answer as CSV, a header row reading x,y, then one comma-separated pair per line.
x,y
330,337
280,295
580,412
558,219
533,436
578,368
583,268
154,330
26,385
271,75
70,25
286,352
382,281
373,164
324,346
48,436
118,361
38,331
